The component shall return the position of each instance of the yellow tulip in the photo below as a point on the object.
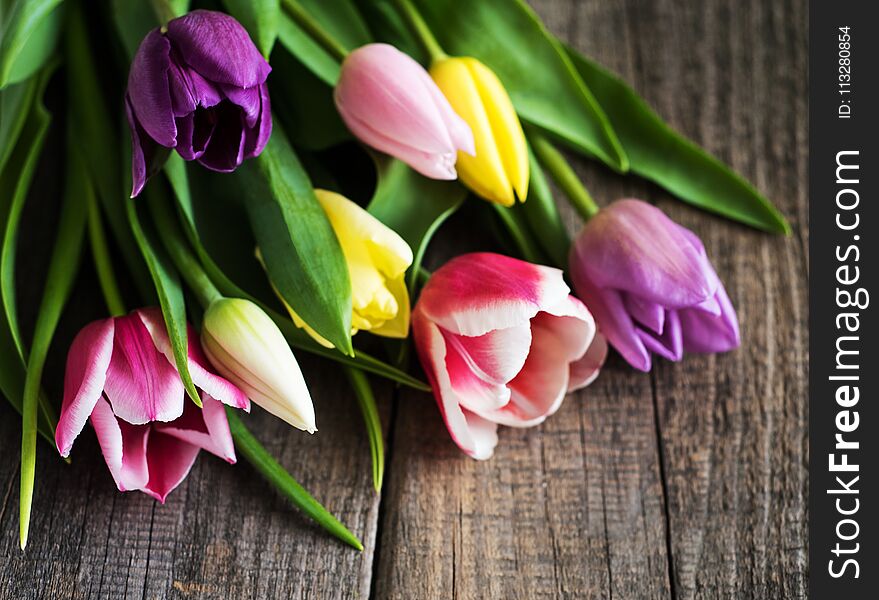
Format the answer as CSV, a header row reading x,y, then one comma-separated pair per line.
x,y
377,260
499,171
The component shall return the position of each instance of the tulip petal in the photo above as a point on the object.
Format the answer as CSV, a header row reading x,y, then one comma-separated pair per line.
x,y
704,332
142,386
540,387
257,137
207,428
206,380
670,343
613,319
459,130
144,153
634,247
84,377
476,293
124,447
474,435
148,89
218,47
495,357
484,172
647,314
194,133
398,326
170,460
225,150
248,99
585,370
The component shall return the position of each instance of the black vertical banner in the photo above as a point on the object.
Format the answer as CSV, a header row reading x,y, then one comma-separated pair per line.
x,y
844,268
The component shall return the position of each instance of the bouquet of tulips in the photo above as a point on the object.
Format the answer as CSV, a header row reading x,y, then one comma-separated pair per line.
x,y
249,179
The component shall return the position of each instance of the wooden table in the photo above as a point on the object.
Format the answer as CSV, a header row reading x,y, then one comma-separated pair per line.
x,y
688,482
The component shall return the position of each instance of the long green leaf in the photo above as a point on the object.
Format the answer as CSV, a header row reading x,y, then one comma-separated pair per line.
x,y
99,142
14,185
366,402
170,292
63,268
542,217
23,19
341,19
260,18
509,38
176,171
15,102
413,206
660,154
275,474
301,252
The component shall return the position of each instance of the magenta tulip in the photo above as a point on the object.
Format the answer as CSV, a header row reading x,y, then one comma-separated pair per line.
x,y
502,341
200,88
121,376
390,103
650,285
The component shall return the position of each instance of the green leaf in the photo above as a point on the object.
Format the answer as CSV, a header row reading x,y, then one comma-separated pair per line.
x,y
341,19
39,47
198,226
99,143
305,104
170,292
63,269
14,185
133,21
413,206
663,156
542,217
302,255
545,89
15,102
282,481
260,18
21,21
366,402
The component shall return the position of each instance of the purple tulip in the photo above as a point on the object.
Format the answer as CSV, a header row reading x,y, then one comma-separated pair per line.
x,y
200,88
390,103
650,285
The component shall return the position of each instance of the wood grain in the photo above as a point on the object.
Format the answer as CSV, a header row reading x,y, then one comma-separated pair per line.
x,y
689,482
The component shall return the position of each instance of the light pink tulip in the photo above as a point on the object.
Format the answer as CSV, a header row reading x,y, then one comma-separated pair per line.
x,y
121,374
502,341
390,103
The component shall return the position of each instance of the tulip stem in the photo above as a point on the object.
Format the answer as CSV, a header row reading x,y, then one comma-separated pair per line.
x,y
315,30
101,258
421,30
275,474
181,255
520,237
561,171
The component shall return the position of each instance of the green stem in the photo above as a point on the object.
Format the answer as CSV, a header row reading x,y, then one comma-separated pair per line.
x,y
164,11
366,401
561,171
103,263
275,474
181,255
421,30
315,30
520,237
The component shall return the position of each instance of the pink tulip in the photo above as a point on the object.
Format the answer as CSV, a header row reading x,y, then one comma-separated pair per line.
x,y
502,341
121,373
390,103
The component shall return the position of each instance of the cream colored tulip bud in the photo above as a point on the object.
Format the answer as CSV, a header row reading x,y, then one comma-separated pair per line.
x,y
248,349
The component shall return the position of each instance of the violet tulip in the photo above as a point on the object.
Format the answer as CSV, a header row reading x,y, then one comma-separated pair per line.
x,y
502,341
198,87
650,285
121,376
390,103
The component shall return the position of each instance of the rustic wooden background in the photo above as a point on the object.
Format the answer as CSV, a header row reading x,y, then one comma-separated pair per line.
x,y
689,482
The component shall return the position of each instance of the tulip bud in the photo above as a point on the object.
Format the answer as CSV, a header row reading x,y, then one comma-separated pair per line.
x,y
650,285
247,348
499,170
198,87
377,259
390,103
